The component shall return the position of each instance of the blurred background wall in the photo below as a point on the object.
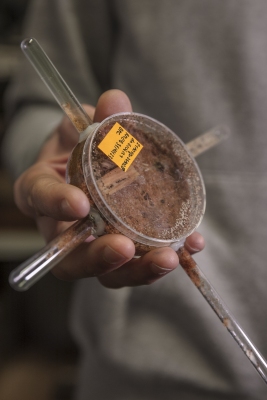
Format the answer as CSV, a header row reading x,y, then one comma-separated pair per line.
x,y
37,355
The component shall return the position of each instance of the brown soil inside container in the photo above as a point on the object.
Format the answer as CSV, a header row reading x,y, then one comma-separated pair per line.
x,y
81,121
152,197
155,200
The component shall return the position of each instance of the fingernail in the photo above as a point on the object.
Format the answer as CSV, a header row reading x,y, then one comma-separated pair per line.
x,y
191,249
156,269
112,257
29,199
65,206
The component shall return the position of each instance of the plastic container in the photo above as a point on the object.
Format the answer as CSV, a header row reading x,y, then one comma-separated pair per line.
x,y
159,200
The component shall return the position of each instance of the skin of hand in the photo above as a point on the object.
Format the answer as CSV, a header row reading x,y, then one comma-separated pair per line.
x,y
41,192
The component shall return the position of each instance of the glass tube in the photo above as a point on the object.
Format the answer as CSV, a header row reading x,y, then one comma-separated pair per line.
x,y
56,84
207,140
33,269
203,285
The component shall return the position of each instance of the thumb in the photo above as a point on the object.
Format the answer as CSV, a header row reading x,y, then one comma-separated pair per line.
x,y
42,192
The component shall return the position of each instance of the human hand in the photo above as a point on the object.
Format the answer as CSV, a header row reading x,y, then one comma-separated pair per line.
x,y
41,192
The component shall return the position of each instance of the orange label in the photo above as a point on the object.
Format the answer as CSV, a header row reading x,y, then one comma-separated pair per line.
x,y
120,146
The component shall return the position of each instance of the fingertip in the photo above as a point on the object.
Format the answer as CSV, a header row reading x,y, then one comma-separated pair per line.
x,y
164,258
195,243
120,246
111,102
75,204
160,262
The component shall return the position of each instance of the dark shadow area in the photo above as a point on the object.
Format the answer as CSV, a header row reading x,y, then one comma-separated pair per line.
x,y
37,354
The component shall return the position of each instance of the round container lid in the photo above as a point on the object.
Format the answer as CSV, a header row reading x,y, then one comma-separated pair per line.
x,y
143,180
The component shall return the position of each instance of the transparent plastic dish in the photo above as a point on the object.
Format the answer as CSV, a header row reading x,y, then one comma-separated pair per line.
x,y
159,200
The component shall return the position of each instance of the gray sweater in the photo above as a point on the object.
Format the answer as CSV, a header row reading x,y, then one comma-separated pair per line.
x,y
190,64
